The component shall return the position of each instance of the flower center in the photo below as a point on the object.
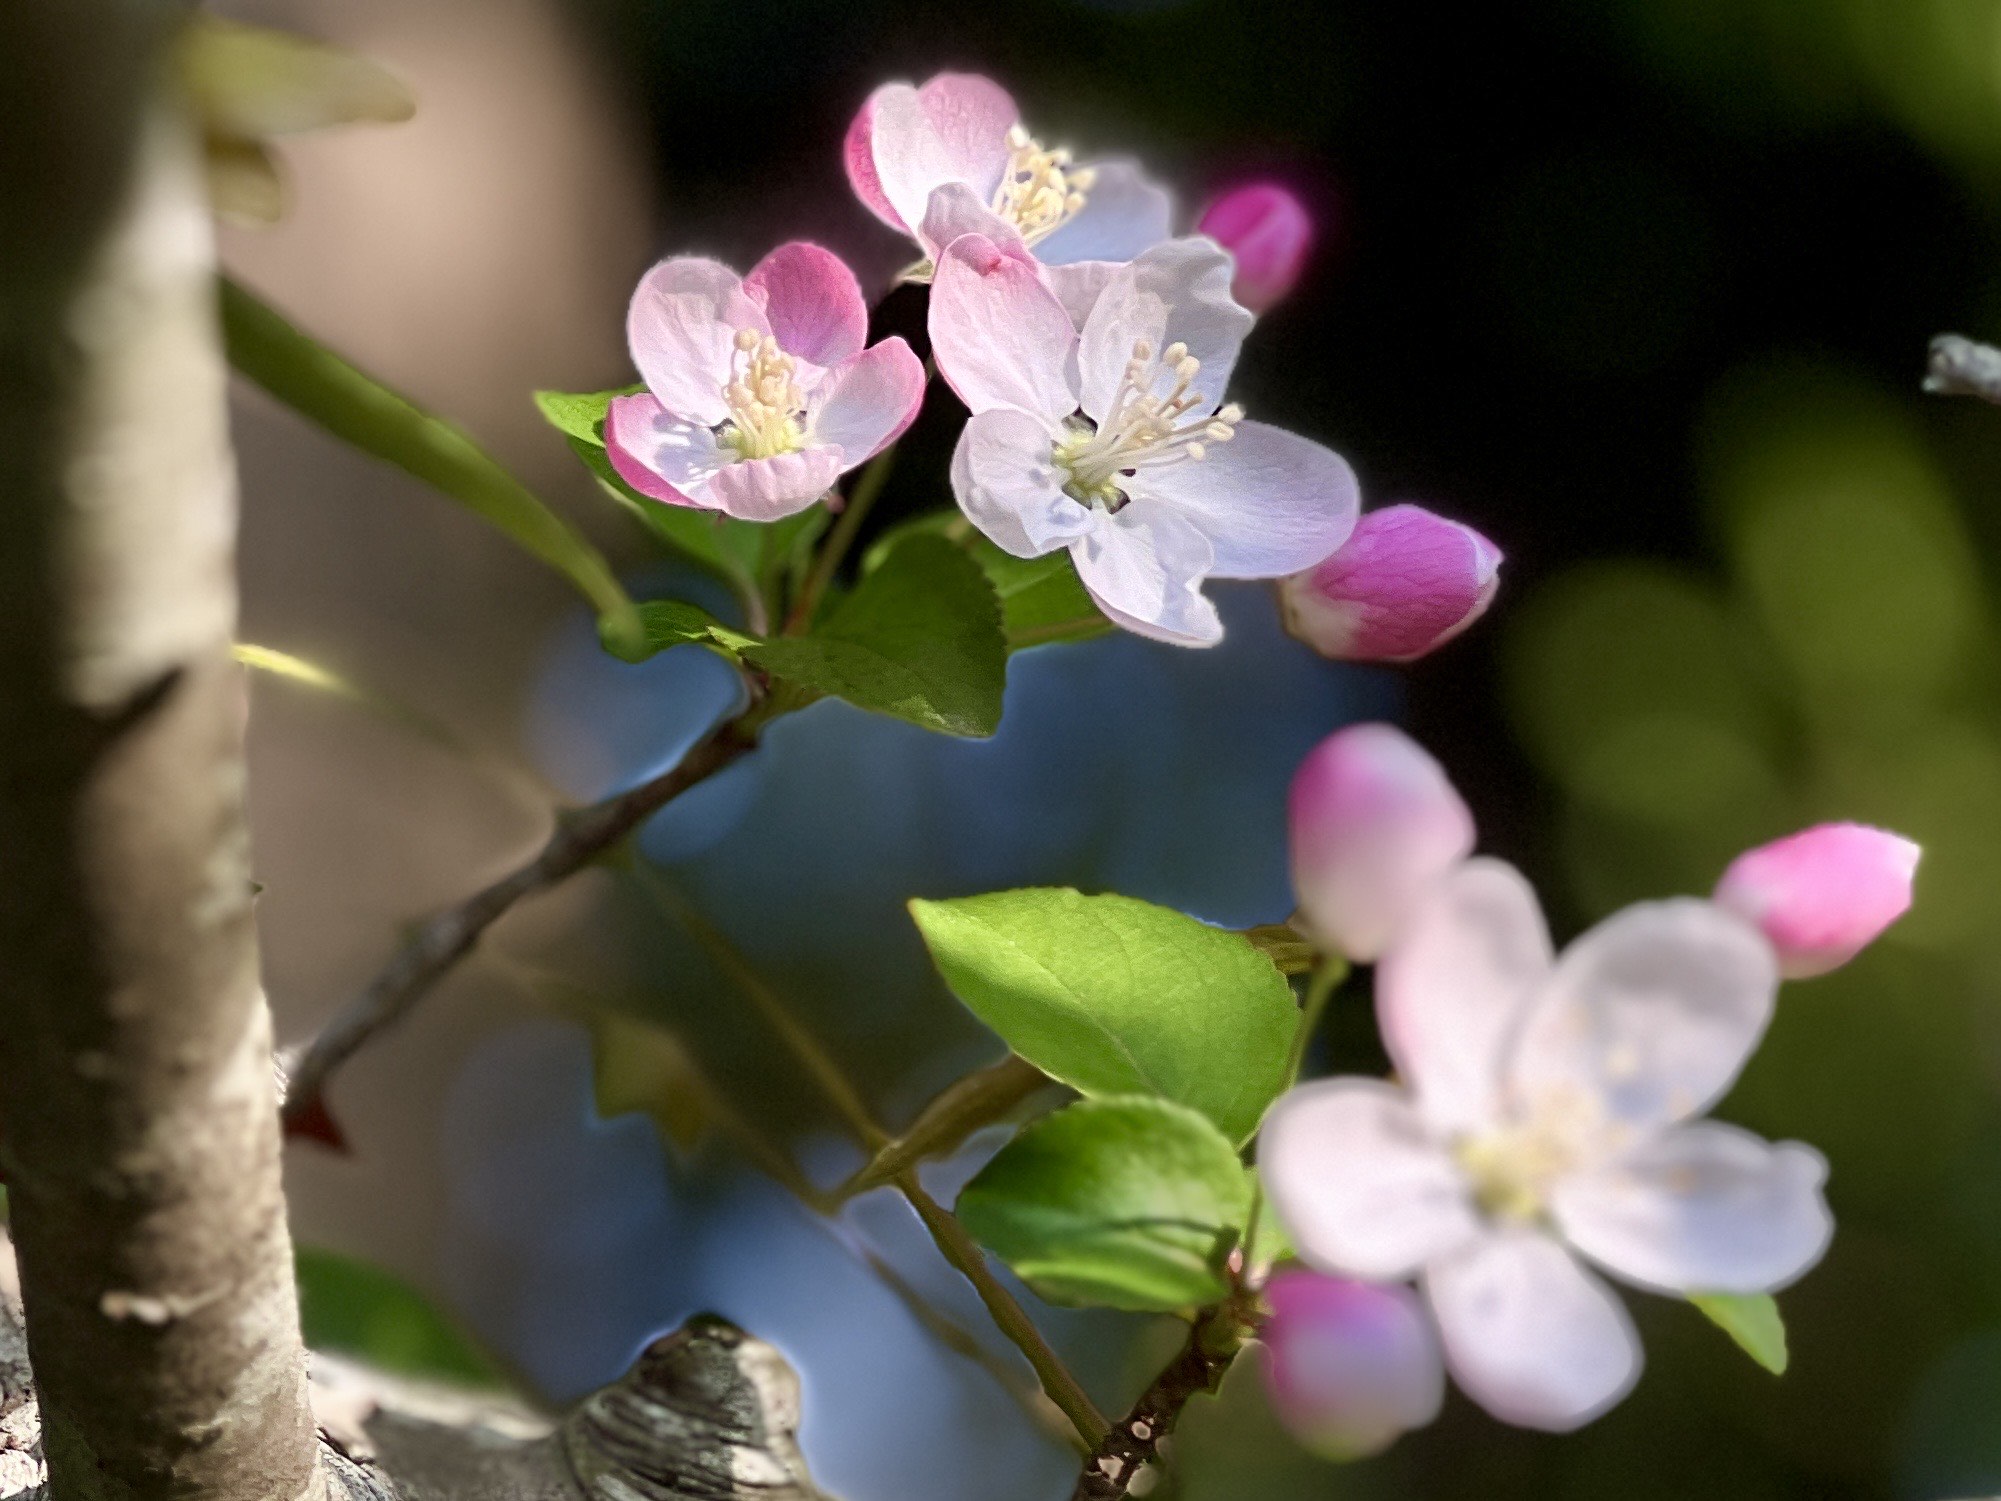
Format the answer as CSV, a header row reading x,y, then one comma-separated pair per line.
x,y
767,409
1145,428
1511,1169
1040,189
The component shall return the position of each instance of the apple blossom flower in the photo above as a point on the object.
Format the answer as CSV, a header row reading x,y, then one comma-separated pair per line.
x,y
1349,1365
1547,1117
1403,584
1374,822
1113,440
759,392
1268,233
960,128
1823,895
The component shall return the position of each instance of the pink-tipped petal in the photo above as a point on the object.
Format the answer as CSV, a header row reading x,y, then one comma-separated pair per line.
x,y
1000,337
1375,822
1349,1365
955,210
953,129
870,401
1403,584
773,488
660,455
1270,234
813,302
1823,895
681,328
858,156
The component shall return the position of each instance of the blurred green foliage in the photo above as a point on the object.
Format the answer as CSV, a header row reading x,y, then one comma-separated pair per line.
x,y
352,1308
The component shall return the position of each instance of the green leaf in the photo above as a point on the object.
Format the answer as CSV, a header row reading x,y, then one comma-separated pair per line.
x,y
356,1309
1115,996
1042,599
1119,1203
919,639
360,410
1752,1320
675,622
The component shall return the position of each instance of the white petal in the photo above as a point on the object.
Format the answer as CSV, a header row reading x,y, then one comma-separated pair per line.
x,y
1007,483
1652,1014
681,328
1177,292
1529,1334
1270,502
1453,987
1079,285
1359,1182
783,485
1123,215
1000,337
659,454
866,403
1144,565
1701,1208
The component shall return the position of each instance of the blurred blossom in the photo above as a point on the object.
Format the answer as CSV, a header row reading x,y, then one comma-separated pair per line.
x,y
1349,1365
759,392
1403,584
956,148
1269,234
1548,1111
1165,485
1823,895
1374,822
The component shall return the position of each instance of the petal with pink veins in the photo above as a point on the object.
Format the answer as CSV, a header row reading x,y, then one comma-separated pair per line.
x,y
659,454
1000,337
812,301
780,486
681,328
1360,1182
953,129
869,401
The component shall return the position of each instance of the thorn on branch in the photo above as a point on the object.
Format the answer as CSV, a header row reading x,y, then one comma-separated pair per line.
x,y
1961,367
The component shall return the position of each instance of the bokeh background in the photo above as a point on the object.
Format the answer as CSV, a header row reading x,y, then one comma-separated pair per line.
x,y
1639,287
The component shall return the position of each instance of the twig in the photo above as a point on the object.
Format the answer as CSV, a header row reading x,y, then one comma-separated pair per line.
x,y
839,540
979,1099
581,837
1961,367
1125,1451
958,1248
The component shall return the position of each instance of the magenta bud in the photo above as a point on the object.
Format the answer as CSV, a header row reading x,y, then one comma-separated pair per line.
x,y
1269,233
1822,895
1349,1365
1374,822
1403,584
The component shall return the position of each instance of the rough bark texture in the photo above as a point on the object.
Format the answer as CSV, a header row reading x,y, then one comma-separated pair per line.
x,y
136,1090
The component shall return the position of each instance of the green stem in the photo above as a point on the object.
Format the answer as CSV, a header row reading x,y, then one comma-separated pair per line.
x,y
958,1248
1319,990
360,410
846,527
979,1099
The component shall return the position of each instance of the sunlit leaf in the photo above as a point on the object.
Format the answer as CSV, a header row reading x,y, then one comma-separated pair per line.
x,y
1752,1320
353,1308
1120,1203
1117,997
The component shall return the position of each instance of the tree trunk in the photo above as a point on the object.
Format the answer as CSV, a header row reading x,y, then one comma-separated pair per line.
x,y
137,1099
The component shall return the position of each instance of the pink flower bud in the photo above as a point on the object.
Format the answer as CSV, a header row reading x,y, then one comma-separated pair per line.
x,y
1823,895
1374,822
1403,584
1349,1365
1269,232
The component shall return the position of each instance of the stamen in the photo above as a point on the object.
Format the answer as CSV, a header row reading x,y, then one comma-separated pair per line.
x,y
1142,429
765,403
1039,190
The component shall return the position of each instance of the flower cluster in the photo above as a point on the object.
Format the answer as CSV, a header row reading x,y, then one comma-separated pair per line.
x,y
1093,351
1547,1112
